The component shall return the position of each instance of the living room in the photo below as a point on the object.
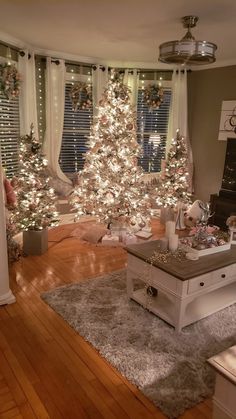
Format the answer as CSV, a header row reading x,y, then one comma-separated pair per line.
x,y
94,349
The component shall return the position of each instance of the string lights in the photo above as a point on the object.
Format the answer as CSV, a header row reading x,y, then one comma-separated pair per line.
x,y
110,185
40,84
175,185
35,208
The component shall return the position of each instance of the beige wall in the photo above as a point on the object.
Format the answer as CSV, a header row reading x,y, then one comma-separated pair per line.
x,y
207,90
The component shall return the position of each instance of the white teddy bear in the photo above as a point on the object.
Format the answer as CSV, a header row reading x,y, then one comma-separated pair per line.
x,y
198,211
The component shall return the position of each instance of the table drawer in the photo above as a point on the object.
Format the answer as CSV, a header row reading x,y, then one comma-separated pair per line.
x,y
161,279
151,275
199,283
223,273
138,266
202,282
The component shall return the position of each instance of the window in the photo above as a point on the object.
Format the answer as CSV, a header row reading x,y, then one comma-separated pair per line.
x,y
9,134
152,126
76,129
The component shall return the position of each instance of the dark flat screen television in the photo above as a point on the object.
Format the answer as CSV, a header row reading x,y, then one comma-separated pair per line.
x,y
228,187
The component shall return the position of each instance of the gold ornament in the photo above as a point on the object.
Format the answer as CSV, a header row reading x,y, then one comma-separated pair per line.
x,y
129,126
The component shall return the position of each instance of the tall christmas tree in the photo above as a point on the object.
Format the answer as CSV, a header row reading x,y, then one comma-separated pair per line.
x,y
174,187
110,186
35,208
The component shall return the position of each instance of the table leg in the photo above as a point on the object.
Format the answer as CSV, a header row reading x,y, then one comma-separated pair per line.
x,y
180,306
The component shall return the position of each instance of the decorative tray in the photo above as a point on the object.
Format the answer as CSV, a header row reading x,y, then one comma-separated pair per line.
x,y
207,251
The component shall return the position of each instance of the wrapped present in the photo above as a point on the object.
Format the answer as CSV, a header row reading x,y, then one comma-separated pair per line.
x,y
110,240
129,238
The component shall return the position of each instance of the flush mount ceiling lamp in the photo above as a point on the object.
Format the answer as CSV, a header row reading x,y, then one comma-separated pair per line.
x,y
188,50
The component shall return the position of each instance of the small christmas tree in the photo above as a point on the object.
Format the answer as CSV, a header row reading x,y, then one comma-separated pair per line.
x,y
109,186
174,187
35,208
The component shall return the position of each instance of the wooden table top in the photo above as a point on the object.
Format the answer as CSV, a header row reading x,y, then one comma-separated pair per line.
x,y
184,269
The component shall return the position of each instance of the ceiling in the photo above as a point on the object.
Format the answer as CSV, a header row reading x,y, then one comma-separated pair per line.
x,y
119,33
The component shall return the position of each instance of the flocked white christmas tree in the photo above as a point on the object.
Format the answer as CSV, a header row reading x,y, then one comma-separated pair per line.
x,y
35,208
109,186
175,185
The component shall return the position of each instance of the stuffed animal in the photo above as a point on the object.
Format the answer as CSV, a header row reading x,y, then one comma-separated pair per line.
x,y
198,211
231,221
10,196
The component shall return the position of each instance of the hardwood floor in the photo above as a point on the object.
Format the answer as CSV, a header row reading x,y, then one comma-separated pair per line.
x,y
46,369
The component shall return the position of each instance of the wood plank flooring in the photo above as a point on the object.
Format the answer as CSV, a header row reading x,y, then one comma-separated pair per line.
x,y
46,369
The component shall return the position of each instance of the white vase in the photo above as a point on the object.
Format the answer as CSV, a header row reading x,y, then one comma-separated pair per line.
x,y
35,242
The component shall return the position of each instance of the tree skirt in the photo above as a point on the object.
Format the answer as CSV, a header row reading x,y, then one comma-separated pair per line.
x,y
169,368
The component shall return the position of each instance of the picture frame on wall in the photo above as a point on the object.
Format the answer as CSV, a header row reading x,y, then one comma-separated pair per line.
x,y
227,126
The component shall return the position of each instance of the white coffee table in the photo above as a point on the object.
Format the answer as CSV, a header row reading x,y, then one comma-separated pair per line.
x,y
187,290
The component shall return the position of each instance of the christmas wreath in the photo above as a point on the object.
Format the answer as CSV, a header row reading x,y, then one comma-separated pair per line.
x,y
153,96
81,96
9,81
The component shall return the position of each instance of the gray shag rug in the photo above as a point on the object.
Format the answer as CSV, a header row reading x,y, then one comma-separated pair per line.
x,y
169,368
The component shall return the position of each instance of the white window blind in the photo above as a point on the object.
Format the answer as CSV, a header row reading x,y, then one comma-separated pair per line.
x,y
152,126
75,136
9,134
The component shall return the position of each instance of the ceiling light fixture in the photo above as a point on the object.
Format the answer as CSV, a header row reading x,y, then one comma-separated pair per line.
x,y
187,50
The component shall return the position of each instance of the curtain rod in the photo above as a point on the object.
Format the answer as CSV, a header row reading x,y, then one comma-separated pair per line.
x,y
5,44
149,71
93,66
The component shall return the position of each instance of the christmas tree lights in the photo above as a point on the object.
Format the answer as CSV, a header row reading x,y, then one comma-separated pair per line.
x,y
109,186
174,187
35,208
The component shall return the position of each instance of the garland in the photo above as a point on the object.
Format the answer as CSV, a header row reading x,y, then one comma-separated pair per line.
x,y
153,96
9,81
81,96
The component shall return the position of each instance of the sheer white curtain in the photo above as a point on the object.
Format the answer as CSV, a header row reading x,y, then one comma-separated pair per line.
x,y
55,102
27,99
178,118
99,84
6,296
131,79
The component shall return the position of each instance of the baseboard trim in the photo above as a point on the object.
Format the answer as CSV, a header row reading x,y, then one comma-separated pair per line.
x,y
7,298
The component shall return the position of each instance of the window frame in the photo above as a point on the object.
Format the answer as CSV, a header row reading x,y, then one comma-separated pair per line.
x,y
12,136
165,85
72,77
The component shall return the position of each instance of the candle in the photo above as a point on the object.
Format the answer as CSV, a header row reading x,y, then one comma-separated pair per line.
x,y
173,242
164,243
170,228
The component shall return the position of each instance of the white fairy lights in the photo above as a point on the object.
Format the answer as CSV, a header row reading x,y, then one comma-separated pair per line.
x,y
175,185
40,98
109,185
35,198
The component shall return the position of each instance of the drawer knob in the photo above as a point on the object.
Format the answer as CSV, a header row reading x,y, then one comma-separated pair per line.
x,y
202,284
223,276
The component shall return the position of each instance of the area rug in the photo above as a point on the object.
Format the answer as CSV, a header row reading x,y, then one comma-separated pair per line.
x,y
169,368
